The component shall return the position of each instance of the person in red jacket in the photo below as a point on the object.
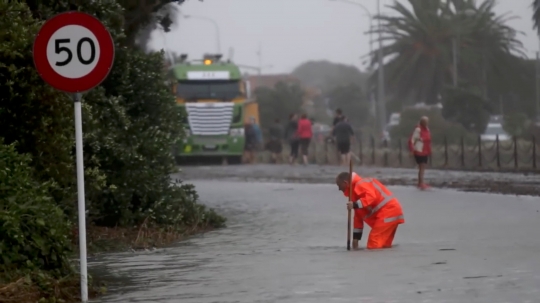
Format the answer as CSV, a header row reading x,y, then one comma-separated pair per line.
x,y
420,148
374,204
304,134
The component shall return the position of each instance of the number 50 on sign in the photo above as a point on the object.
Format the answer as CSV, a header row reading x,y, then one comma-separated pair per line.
x,y
73,52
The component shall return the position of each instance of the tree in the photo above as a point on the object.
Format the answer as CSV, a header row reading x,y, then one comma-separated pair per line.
x,y
326,75
516,124
467,107
33,114
279,102
536,15
130,121
138,19
420,46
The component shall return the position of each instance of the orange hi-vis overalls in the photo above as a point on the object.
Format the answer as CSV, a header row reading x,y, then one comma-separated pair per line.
x,y
378,208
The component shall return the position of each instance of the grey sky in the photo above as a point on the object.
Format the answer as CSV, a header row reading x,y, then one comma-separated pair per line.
x,y
294,31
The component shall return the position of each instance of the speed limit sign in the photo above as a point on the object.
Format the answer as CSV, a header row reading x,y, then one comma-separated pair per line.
x,y
73,52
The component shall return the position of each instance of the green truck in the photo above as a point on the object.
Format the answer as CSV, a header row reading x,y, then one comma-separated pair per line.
x,y
217,102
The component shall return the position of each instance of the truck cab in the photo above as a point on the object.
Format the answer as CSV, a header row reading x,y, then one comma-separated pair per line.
x,y
216,101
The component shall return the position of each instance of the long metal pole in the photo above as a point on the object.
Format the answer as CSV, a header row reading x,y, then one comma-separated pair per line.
x,y
259,52
537,87
382,97
80,196
484,73
454,59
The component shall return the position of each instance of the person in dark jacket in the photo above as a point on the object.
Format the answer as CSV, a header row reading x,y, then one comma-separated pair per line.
x,y
250,142
337,118
274,144
343,133
290,136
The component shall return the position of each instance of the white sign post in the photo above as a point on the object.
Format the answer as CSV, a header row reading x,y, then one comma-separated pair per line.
x,y
74,52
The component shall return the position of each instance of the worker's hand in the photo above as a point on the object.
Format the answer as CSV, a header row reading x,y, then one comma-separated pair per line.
x,y
355,244
350,206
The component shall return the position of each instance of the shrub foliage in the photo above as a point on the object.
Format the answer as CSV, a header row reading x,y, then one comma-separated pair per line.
x,y
129,124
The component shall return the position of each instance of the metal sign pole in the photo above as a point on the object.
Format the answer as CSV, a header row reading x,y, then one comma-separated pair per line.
x,y
73,73
80,193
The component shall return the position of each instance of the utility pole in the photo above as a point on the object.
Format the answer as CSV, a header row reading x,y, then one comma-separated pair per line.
x,y
381,93
259,53
454,59
537,118
484,75
501,109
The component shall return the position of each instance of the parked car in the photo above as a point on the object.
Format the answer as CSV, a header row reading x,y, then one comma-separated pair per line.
x,y
492,130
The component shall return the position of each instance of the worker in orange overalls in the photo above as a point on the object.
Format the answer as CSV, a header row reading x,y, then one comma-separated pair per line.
x,y
373,203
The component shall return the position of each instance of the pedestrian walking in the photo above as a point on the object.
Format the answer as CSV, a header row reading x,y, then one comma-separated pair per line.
x,y
250,143
274,144
291,137
343,134
337,118
420,149
304,133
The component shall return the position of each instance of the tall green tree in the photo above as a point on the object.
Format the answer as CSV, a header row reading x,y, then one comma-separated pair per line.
x,y
327,75
420,45
138,19
536,15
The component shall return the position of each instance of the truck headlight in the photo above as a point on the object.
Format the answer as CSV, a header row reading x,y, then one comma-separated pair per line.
x,y
236,132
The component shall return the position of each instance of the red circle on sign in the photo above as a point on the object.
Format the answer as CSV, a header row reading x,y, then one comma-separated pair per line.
x,y
105,60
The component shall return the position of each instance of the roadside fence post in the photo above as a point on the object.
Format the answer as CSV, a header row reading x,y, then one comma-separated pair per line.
x,y
360,150
462,152
497,152
479,151
372,150
325,152
534,151
445,151
400,153
385,146
515,153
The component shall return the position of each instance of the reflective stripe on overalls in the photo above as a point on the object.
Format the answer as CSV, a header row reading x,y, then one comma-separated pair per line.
x,y
386,198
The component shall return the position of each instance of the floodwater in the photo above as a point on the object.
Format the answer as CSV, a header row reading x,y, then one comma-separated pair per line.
x,y
287,243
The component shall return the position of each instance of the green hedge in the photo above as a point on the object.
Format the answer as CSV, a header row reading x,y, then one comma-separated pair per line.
x,y
34,230
130,123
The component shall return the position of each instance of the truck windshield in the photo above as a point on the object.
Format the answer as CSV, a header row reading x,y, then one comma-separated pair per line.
x,y
220,90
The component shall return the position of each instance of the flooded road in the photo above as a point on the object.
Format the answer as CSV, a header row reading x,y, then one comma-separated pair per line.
x,y
287,243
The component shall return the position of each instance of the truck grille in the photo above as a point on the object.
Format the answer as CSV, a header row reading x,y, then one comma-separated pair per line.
x,y
210,119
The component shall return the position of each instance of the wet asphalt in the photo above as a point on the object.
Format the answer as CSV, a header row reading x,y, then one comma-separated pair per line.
x,y
286,242
522,183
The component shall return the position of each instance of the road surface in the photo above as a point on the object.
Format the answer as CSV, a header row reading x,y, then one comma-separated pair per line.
x,y
286,243
495,182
